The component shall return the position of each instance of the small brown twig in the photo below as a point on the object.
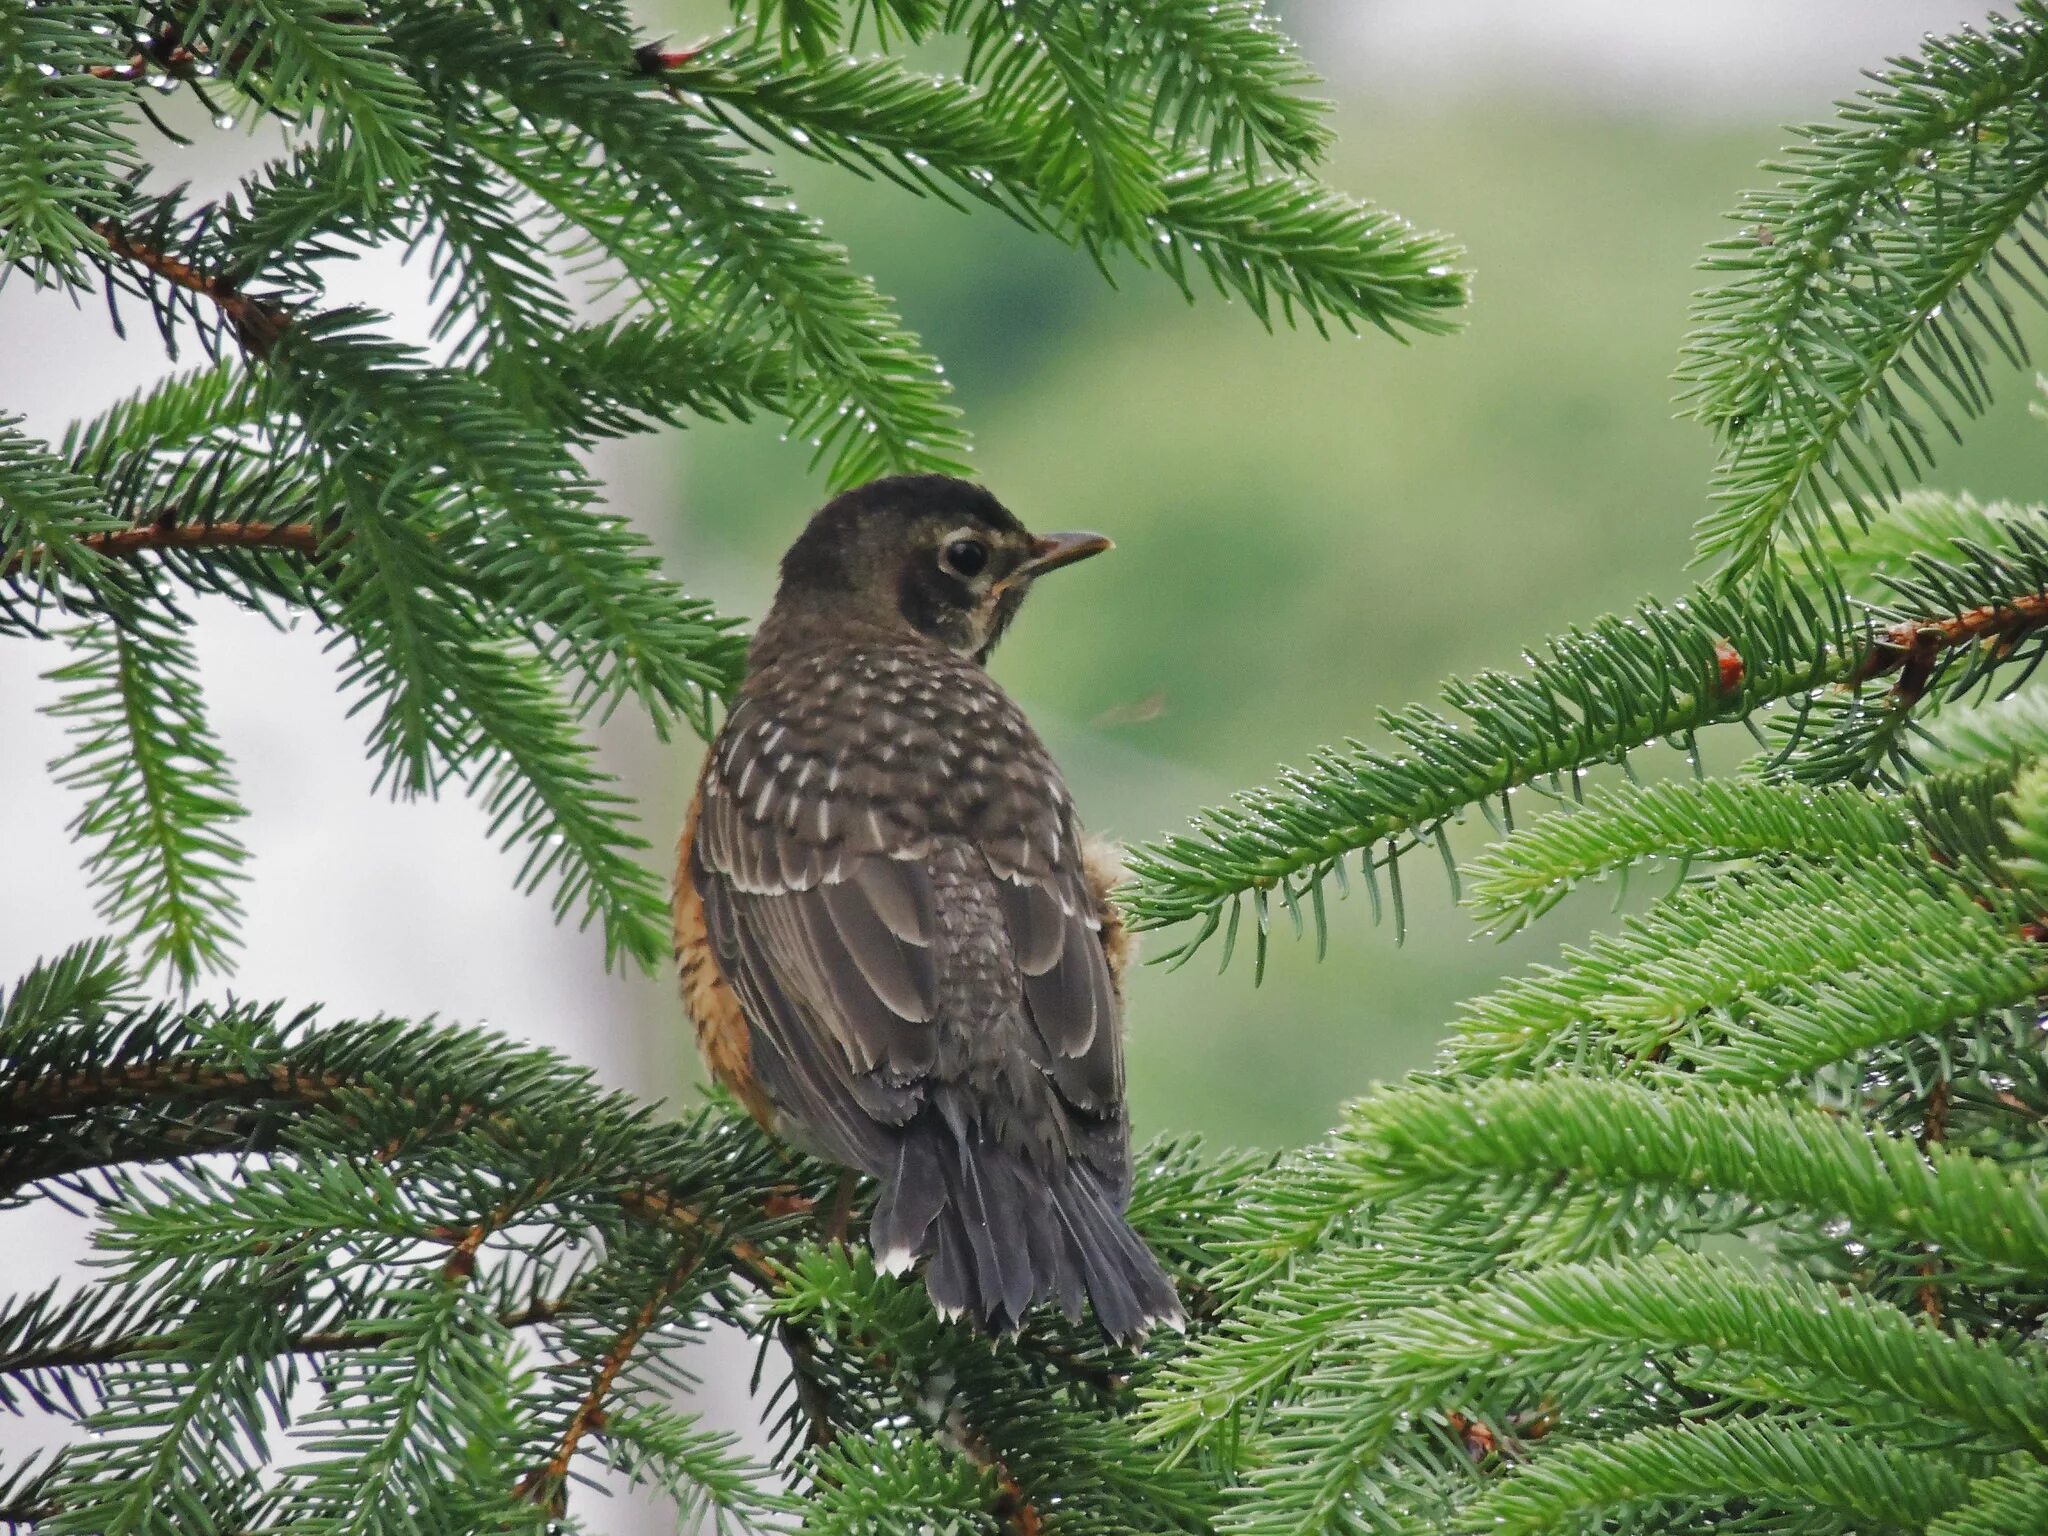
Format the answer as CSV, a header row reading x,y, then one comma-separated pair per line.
x,y
41,1098
319,1342
1933,1128
234,1088
165,50
171,58
1911,646
258,323
1013,1506
461,1261
590,1413
161,534
665,1210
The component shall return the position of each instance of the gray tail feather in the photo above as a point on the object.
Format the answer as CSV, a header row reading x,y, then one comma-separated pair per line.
x,y
1001,1237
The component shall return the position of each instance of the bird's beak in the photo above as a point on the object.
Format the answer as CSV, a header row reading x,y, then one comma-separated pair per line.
x,y
1050,551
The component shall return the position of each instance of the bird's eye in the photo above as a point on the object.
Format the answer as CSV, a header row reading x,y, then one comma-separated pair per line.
x,y
965,557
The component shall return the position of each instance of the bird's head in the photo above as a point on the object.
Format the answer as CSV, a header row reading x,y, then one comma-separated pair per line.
x,y
929,555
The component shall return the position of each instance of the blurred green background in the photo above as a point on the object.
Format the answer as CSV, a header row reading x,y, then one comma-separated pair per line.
x,y
1309,530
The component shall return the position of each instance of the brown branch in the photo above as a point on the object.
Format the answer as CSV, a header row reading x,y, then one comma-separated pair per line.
x,y
258,323
461,1261
161,533
320,1342
171,59
1013,1507
298,538
550,1477
245,1091
1911,646
184,1079
1933,1128
91,1090
166,50
662,1209
796,1343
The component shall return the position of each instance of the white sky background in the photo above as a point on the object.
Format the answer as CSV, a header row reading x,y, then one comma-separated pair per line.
x,y
370,907
1729,59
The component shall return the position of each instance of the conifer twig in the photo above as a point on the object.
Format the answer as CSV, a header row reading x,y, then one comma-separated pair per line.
x,y
81,1356
590,1413
258,323
1933,1128
1013,1506
161,534
1716,660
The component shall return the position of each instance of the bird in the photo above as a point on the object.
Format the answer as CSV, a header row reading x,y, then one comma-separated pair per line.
x,y
898,948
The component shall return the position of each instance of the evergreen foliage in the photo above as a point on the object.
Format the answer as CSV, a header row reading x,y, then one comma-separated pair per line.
x,y
431,511
1722,1221
384,1276
1732,1219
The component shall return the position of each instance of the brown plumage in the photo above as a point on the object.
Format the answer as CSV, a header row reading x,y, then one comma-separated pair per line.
x,y
897,948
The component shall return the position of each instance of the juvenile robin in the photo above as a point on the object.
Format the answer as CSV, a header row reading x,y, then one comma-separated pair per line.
x,y
898,951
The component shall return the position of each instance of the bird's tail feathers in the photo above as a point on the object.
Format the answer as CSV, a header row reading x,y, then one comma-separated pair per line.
x,y
1002,1236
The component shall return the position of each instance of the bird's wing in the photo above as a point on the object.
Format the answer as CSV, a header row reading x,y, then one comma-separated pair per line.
x,y
818,892
1055,928
830,951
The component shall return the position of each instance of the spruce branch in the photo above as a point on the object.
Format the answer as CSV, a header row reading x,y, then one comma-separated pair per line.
x,y
329,63
80,1074
89,978
1226,73
258,322
198,1404
868,115
168,417
2011,729
1708,822
1296,1282
1098,169
1703,974
2026,830
2015,1504
775,268
1609,1135
1919,523
29,1318
1524,1336
1598,695
65,151
1869,292
1671,1300
531,1144
296,538
546,1483
1281,242
160,794
21,1488
50,516
1808,1025
871,1482
1781,1462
